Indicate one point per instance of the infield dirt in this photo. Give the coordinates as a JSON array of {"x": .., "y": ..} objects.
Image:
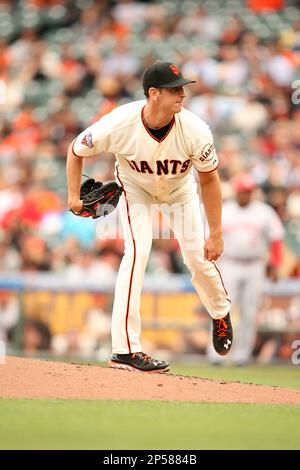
[{"x": 32, "y": 378}]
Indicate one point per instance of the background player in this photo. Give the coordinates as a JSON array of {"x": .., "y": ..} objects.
[
  {"x": 157, "y": 143},
  {"x": 252, "y": 230}
]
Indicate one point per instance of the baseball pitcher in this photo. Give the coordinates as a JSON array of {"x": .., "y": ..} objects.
[{"x": 157, "y": 143}]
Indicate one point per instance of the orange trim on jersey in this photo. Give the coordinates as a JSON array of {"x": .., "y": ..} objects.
[
  {"x": 227, "y": 296},
  {"x": 209, "y": 170},
  {"x": 81, "y": 156},
  {"x": 146, "y": 127},
  {"x": 133, "y": 264}
]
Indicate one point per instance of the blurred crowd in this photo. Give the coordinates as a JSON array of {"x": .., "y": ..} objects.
[{"x": 63, "y": 64}]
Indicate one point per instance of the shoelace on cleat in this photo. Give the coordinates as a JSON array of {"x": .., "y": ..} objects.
[
  {"x": 221, "y": 327},
  {"x": 143, "y": 356}
]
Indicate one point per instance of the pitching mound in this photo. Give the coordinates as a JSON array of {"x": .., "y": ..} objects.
[{"x": 30, "y": 378}]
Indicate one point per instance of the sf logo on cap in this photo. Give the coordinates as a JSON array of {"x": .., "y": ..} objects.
[{"x": 175, "y": 69}]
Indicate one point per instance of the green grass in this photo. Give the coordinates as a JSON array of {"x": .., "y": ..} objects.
[
  {"x": 107, "y": 424},
  {"x": 280, "y": 375}
]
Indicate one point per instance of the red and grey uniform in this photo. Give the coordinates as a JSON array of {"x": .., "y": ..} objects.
[{"x": 156, "y": 171}]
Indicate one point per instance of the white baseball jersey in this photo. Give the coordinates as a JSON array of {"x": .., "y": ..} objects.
[
  {"x": 249, "y": 230},
  {"x": 160, "y": 167}
]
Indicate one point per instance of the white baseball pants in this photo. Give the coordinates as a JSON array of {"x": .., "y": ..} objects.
[{"x": 185, "y": 219}]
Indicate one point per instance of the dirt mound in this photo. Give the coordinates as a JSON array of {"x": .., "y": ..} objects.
[{"x": 30, "y": 378}]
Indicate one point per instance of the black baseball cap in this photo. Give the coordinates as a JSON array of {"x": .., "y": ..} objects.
[{"x": 163, "y": 75}]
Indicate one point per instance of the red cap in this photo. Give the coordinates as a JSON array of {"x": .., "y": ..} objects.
[{"x": 243, "y": 183}]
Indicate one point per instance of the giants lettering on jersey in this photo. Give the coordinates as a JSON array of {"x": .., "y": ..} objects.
[
  {"x": 164, "y": 167},
  {"x": 208, "y": 153}
]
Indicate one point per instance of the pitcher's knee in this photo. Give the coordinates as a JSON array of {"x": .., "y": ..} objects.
[
  {"x": 194, "y": 263},
  {"x": 140, "y": 254}
]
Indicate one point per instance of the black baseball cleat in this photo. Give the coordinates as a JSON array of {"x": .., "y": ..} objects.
[
  {"x": 138, "y": 361},
  {"x": 222, "y": 335}
]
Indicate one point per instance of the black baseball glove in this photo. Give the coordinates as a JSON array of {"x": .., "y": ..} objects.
[{"x": 98, "y": 199}]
